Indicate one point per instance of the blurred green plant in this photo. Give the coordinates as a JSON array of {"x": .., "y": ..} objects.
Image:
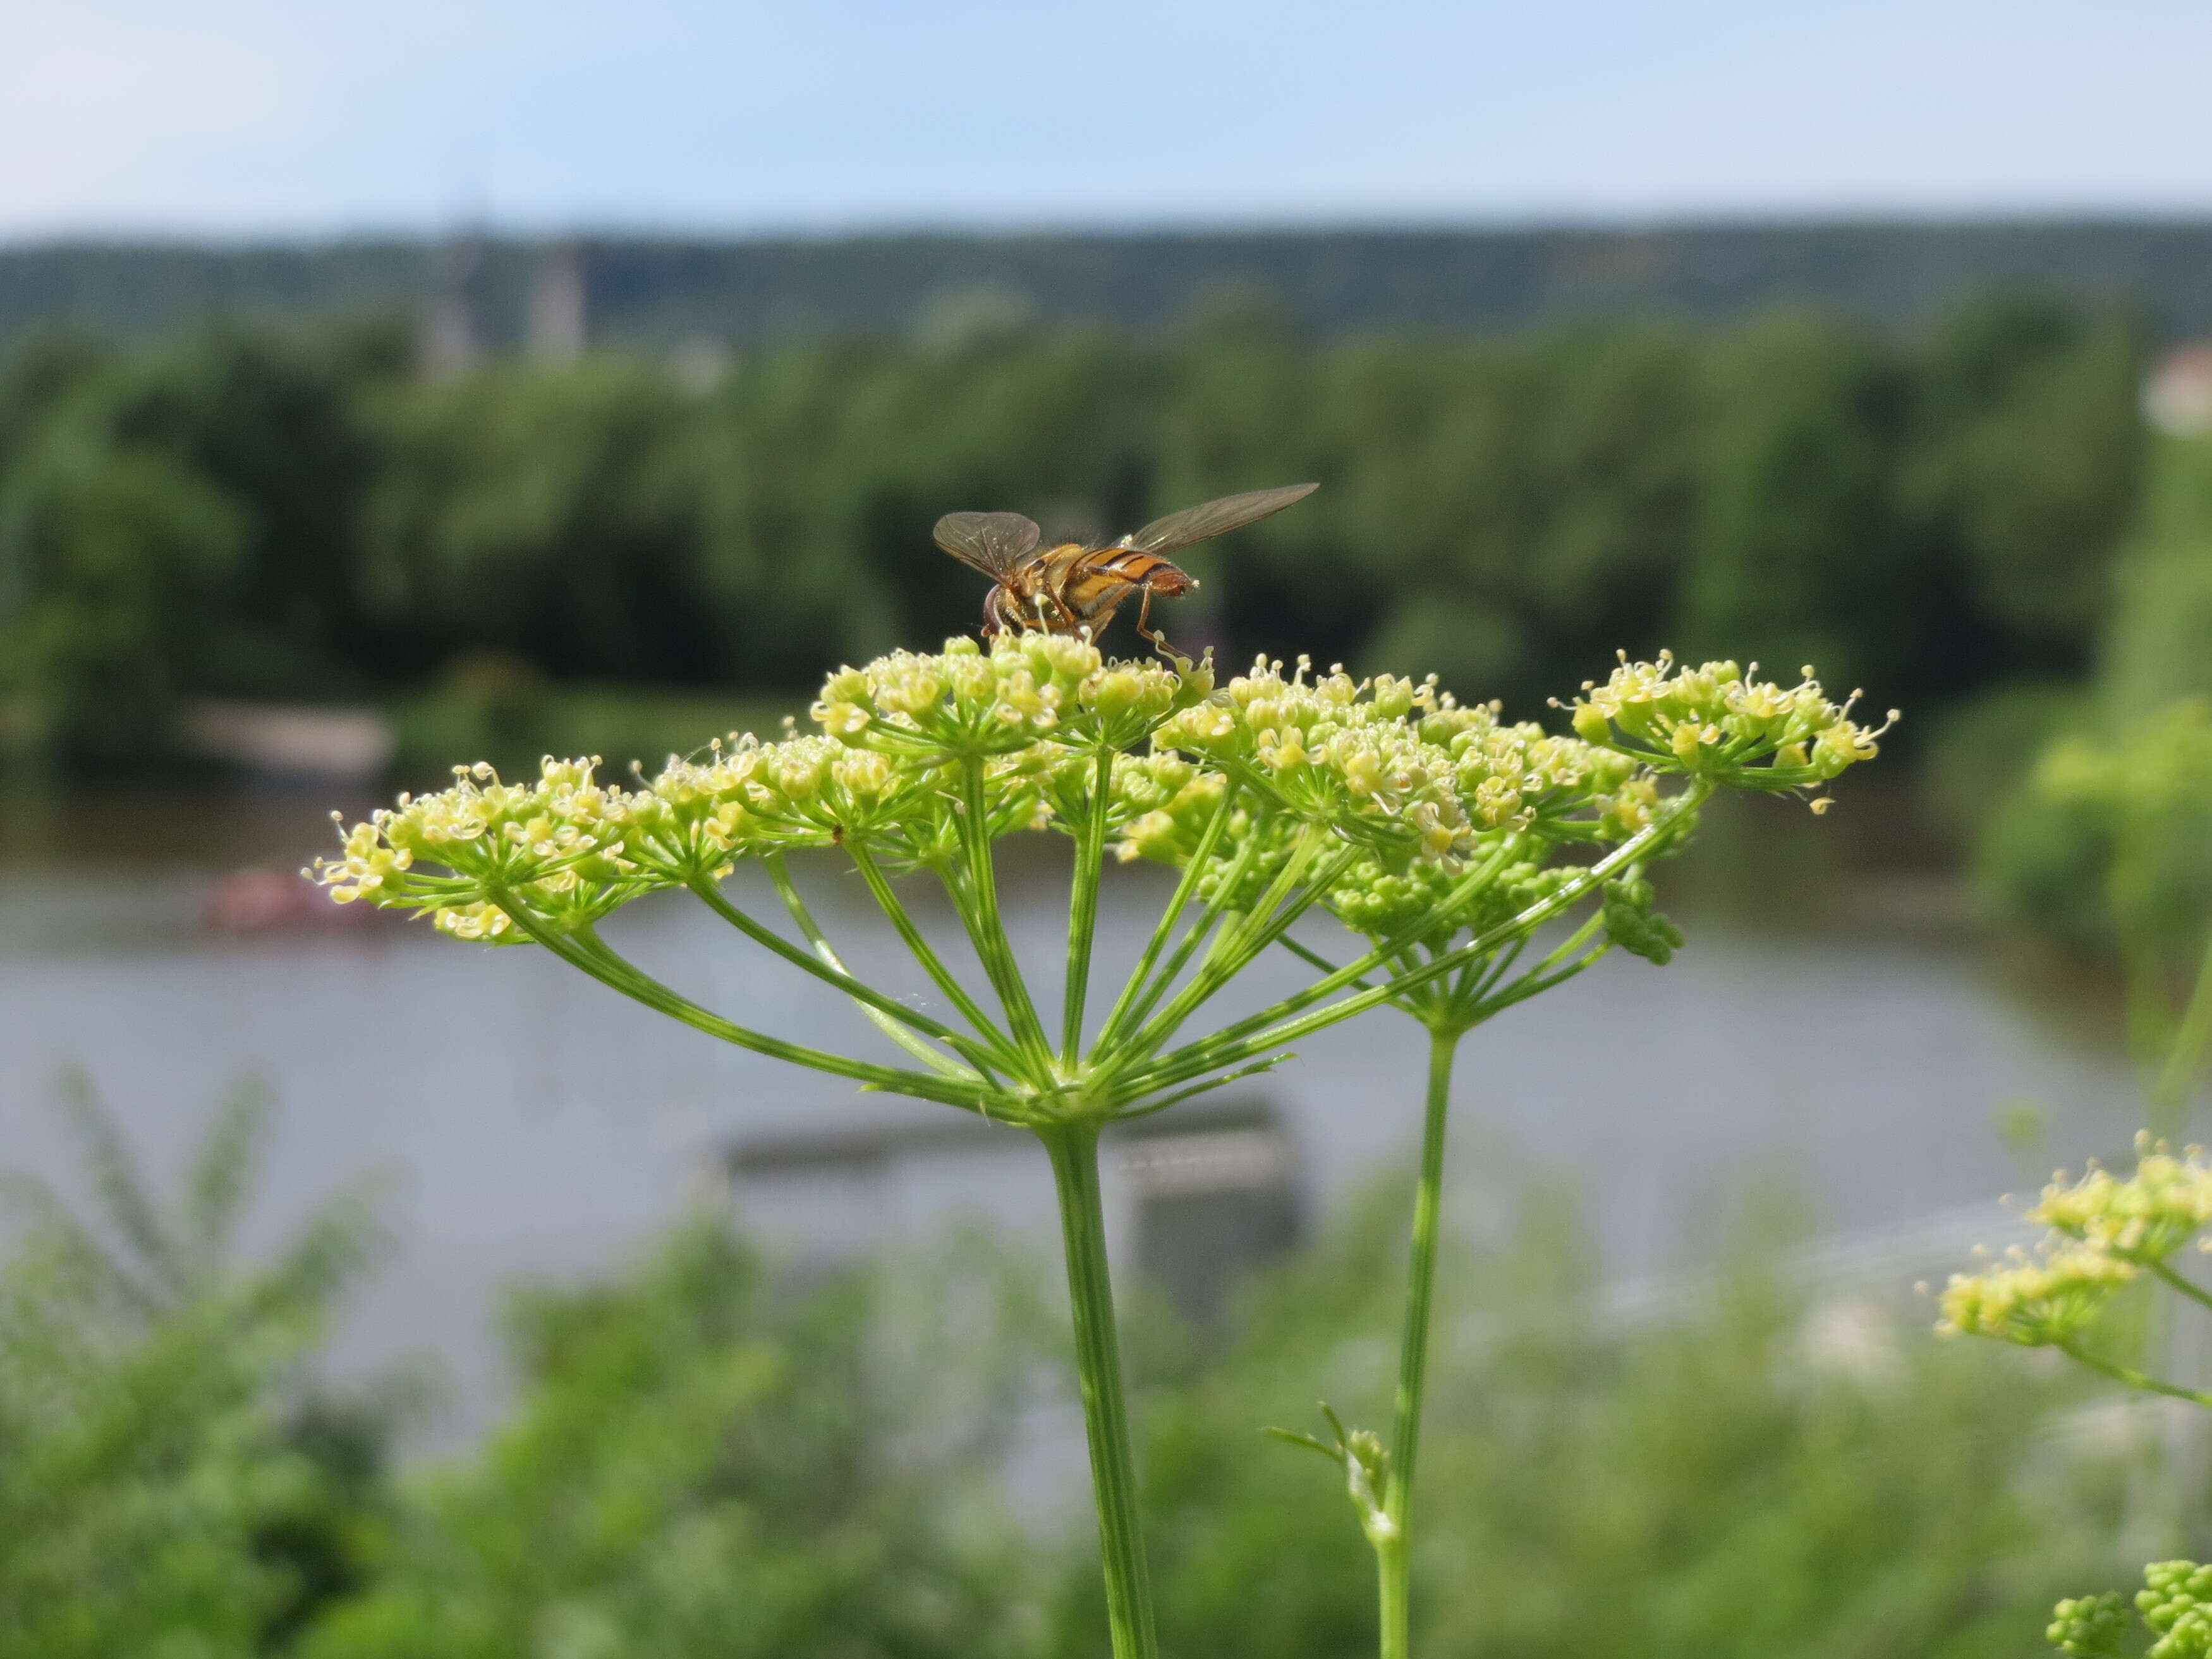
[
  {"x": 709, "y": 1457},
  {"x": 704, "y": 1462},
  {"x": 2124, "y": 816},
  {"x": 1709, "y": 723},
  {"x": 2161, "y": 614},
  {"x": 171, "y": 1484},
  {"x": 2108, "y": 1235},
  {"x": 2103, "y": 848},
  {"x": 2051, "y": 845},
  {"x": 1748, "y": 1464}
]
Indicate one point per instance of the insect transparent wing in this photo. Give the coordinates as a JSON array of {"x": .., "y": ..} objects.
[
  {"x": 1195, "y": 524},
  {"x": 994, "y": 542}
]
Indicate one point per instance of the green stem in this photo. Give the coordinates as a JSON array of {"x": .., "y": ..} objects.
[
  {"x": 1186, "y": 885},
  {"x": 1276, "y": 911},
  {"x": 1242, "y": 1039},
  {"x": 895, "y": 1019},
  {"x": 1074, "y": 1151},
  {"x": 1414, "y": 1348},
  {"x": 1139, "y": 1006},
  {"x": 1314, "y": 959},
  {"x": 895, "y": 912},
  {"x": 2189, "y": 1288},
  {"x": 2185, "y": 1060},
  {"x": 1083, "y": 910},
  {"x": 581, "y": 948},
  {"x": 987, "y": 928},
  {"x": 1393, "y": 1590},
  {"x": 1138, "y": 1002},
  {"x": 2133, "y": 1378}
]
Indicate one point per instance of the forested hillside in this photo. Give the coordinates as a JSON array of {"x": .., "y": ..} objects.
[
  {"x": 295, "y": 514},
  {"x": 660, "y": 290}
]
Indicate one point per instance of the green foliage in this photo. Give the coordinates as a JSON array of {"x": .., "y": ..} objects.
[
  {"x": 2094, "y": 842},
  {"x": 502, "y": 709},
  {"x": 1734, "y": 1478},
  {"x": 2162, "y": 613},
  {"x": 181, "y": 522},
  {"x": 2102, "y": 848},
  {"x": 2032, "y": 450},
  {"x": 1799, "y": 535},
  {"x": 166, "y": 1486},
  {"x": 547, "y": 514},
  {"x": 283, "y": 515},
  {"x": 705, "y": 1460},
  {"x": 704, "y": 1465}
]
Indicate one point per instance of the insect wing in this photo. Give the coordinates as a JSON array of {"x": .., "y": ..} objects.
[
  {"x": 994, "y": 542},
  {"x": 1216, "y": 518}
]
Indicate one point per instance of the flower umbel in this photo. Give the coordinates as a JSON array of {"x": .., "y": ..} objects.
[
  {"x": 556, "y": 842},
  {"x": 1442, "y": 836},
  {"x": 2045, "y": 1299},
  {"x": 1717, "y": 720},
  {"x": 2142, "y": 1219}
]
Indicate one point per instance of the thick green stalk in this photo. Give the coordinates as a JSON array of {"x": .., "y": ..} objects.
[
  {"x": 1074, "y": 1151},
  {"x": 1393, "y": 1590},
  {"x": 1391, "y": 1550},
  {"x": 1083, "y": 910}
]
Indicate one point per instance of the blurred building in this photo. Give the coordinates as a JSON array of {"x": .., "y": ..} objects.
[
  {"x": 450, "y": 336},
  {"x": 560, "y": 304}
]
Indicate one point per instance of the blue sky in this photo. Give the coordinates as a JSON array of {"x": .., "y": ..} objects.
[{"x": 231, "y": 117}]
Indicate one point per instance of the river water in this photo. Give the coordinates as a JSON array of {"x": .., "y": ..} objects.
[{"x": 529, "y": 1122}]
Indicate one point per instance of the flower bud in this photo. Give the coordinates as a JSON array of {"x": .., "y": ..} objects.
[{"x": 1114, "y": 694}]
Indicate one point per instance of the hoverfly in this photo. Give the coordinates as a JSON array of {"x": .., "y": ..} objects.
[{"x": 1071, "y": 586}]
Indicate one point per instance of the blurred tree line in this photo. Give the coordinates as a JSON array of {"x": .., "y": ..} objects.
[{"x": 294, "y": 514}]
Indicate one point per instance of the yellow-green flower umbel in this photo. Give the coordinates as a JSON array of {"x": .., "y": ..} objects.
[{"x": 1442, "y": 837}]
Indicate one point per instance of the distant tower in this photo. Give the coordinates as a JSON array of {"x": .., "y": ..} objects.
[
  {"x": 449, "y": 342},
  {"x": 560, "y": 302}
]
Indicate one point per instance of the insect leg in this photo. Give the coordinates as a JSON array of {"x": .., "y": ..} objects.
[{"x": 1144, "y": 615}]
